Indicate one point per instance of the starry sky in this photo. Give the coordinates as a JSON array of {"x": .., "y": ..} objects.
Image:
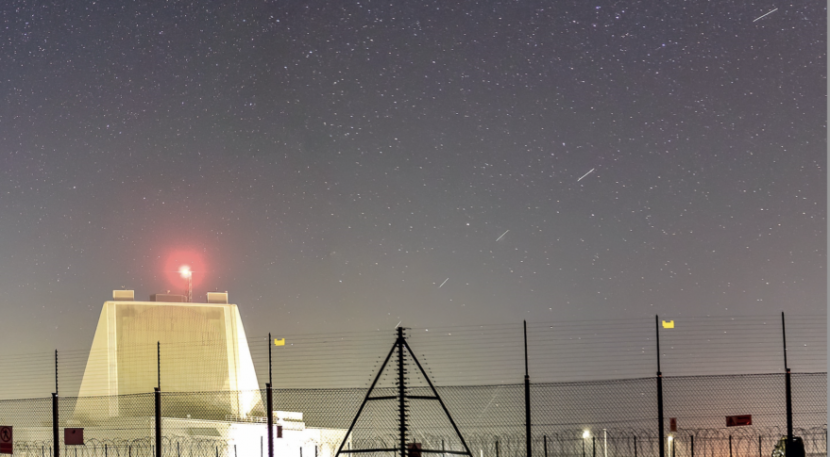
[{"x": 352, "y": 165}]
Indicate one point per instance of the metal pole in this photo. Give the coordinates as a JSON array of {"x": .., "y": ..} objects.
[
  {"x": 55, "y": 437},
  {"x": 158, "y": 421},
  {"x": 692, "y": 441},
  {"x": 593, "y": 446},
  {"x": 497, "y": 448},
  {"x": 401, "y": 393},
  {"x": 789, "y": 395},
  {"x": 660, "y": 427},
  {"x": 269, "y": 398},
  {"x": 545, "y": 437},
  {"x": 730, "y": 445},
  {"x": 527, "y": 399},
  {"x": 158, "y": 364},
  {"x": 760, "y": 452},
  {"x": 56, "y": 371}
]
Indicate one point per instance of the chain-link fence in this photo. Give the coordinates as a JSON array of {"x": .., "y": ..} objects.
[
  {"x": 571, "y": 419},
  {"x": 316, "y": 401}
]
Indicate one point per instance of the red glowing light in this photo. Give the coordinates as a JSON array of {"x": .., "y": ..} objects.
[{"x": 182, "y": 264}]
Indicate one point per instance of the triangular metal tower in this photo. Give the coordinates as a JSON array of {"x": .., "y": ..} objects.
[{"x": 402, "y": 396}]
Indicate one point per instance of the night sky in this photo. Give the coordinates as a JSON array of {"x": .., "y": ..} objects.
[{"x": 351, "y": 165}]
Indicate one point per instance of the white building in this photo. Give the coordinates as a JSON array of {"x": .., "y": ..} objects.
[
  {"x": 203, "y": 348},
  {"x": 210, "y": 391}
]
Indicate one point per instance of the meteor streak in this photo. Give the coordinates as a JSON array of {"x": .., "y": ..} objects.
[
  {"x": 586, "y": 174},
  {"x": 442, "y": 284},
  {"x": 502, "y": 235},
  {"x": 765, "y": 15}
]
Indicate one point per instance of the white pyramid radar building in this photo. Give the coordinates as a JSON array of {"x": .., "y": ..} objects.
[{"x": 203, "y": 348}]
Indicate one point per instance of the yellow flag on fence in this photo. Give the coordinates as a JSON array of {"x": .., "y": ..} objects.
[
  {"x": 669, "y": 324},
  {"x": 279, "y": 342}
]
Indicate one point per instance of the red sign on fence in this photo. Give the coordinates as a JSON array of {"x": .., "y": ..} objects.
[
  {"x": 737, "y": 421},
  {"x": 73, "y": 436},
  {"x": 673, "y": 424},
  {"x": 413, "y": 449},
  {"x": 6, "y": 442}
]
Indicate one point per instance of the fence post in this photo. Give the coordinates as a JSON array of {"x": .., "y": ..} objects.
[
  {"x": 270, "y": 408},
  {"x": 635, "y": 445},
  {"x": 692, "y": 441},
  {"x": 157, "y": 394},
  {"x": 730, "y": 445},
  {"x": 55, "y": 435},
  {"x": 660, "y": 427},
  {"x": 788, "y": 387},
  {"x": 269, "y": 396},
  {"x": 497, "y": 448},
  {"x": 528, "y": 445},
  {"x": 546, "y": 445},
  {"x": 55, "y": 413},
  {"x": 593, "y": 446},
  {"x": 158, "y": 421}
]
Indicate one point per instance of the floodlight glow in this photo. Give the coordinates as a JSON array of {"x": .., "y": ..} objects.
[
  {"x": 184, "y": 270},
  {"x": 586, "y": 434}
]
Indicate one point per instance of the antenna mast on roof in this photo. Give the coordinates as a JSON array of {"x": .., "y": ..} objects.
[{"x": 187, "y": 274}]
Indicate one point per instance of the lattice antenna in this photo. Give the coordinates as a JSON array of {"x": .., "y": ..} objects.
[
  {"x": 403, "y": 403},
  {"x": 403, "y": 397}
]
